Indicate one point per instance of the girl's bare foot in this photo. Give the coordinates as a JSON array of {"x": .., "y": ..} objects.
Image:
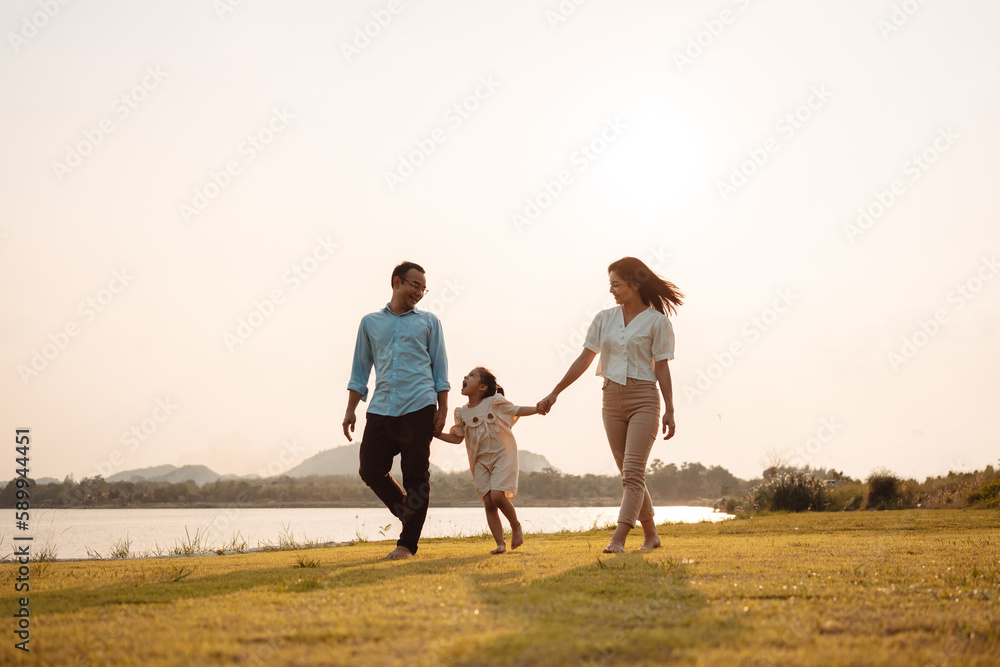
[
  {"x": 399, "y": 552},
  {"x": 651, "y": 543},
  {"x": 501, "y": 548},
  {"x": 614, "y": 548},
  {"x": 516, "y": 536}
]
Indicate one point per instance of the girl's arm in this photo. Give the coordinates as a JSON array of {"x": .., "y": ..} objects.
[
  {"x": 662, "y": 371},
  {"x": 576, "y": 369},
  {"x": 450, "y": 437},
  {"x": 526, "y": 410}
]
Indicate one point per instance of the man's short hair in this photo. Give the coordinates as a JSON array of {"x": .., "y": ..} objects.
[{"x": 403, "y": 268}]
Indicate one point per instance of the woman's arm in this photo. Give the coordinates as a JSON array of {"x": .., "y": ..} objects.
[
  {"x": 576, "y": 369},
  {"x": 662, "y": 371}
]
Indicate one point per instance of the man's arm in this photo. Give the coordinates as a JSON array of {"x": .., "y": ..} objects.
[
  {"x": 441, "y": 415},
  {"x": 353, "y": 398},
  {"x": 439, "y": 371},
  {"x": 361, "y": 370}
]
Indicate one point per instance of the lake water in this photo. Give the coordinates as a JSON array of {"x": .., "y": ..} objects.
[{"x": 73, "y": 531}]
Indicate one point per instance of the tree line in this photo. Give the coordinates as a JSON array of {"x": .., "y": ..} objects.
[{"x": 667, "y": 483}]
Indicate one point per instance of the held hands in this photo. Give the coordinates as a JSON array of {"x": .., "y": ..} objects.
[
  {"x": 440, "y": 417},
  {"x": 543, "y": 406},
  {"x": 668, "y": 425}
]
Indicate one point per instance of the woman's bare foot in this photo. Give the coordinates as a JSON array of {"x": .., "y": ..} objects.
[
  {"x": 399, "y": 552},
  {"x": 516, "y": 536},
  {"x": 614, "y": 548},
  {"x": 651, "y": 543},
  {"x": 501, "y": 548}
]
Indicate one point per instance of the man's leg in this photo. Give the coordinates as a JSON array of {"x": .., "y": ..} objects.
[
  {"x": 378, "y": 447},
  {"x": 414, "y": 434}
]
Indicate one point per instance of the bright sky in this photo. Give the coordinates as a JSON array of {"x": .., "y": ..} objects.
[{"x": 199, "y": 201}]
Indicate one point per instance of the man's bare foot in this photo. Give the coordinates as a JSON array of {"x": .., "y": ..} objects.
[
  {"x": 516, "y": 536},
  {"x": 651, "y": 543},
  {"x": 399, "y": 552},
  {"x": 614, "y": 548},
  {"x": 501, "y": 548}
]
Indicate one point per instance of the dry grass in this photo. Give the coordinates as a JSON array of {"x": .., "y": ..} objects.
[{"x": 859, "y": 588}]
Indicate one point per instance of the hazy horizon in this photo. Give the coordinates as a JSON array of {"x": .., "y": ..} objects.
[{"x": 201, "y": 200}]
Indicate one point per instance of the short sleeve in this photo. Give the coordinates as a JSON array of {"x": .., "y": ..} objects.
[
  {"x": 504, "y": 408},
  {"x": 459, "y": 427},
  {"x": 662, "y": 334},
  {"x": 593, "y": 340}
]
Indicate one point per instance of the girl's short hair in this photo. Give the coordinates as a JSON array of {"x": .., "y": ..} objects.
[{"x": 490, "y": 380}]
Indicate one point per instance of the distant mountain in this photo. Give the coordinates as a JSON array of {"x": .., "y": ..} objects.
[
  {"x": 532, "y": 462},
  {"x": 198, "y": 474},
  {"x": 341, "y": 460},
  {"x": 47, "y": 480}
]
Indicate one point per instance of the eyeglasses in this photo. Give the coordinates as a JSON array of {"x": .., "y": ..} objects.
[{"x": 420, "y": 288}]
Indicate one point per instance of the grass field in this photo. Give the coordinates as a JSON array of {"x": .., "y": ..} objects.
[{"x": 901, "y": 588}]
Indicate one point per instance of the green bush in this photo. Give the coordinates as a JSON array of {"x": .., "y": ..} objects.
[
  {"x": 987, "y": 495},
  {"x": 793, "y": 491},
  {"x": 886, "y": 491}
]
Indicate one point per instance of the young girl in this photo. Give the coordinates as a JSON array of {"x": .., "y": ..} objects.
[{"x": 485, "y": 425}]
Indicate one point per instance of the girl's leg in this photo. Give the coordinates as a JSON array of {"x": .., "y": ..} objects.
[
  {"x": 493, "y": 521},
  {"x": 503, "y": 503}
]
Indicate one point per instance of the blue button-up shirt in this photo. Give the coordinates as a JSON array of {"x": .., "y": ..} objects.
[{"x": 410, "y": 363}]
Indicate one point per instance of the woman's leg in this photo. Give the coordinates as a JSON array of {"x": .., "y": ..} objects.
[
  {"x": 502, "y": 502},
  {"x": 616, "y": 428},
  {"x": 644, "y": 421},
  {"x": 493, "y": 521}
]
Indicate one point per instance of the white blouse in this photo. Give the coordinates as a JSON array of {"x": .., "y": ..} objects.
[{"x": 630, "y": 351}]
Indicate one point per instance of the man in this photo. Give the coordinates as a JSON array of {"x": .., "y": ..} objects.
[{"x": 406, "y": 346}]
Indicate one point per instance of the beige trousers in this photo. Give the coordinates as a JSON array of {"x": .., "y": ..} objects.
[{"x": 632, "y": 419}]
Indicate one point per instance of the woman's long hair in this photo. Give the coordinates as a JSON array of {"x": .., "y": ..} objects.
[
  {"x": 490, "y": 381},
  {"x": 654, "y": 291}
]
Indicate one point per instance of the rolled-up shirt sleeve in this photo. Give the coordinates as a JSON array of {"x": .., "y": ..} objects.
[
  {"x": 361, "y": 369},
  {"x": 662, "y": 333},
  {"x": 593, "y": 340},
  {"x": 439, "y": 358}
]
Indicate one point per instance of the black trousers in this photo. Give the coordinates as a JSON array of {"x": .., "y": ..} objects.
[{"x": 409, "y": 436}]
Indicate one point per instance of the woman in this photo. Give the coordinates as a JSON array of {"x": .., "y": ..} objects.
[{"x": 635, "y": 341}]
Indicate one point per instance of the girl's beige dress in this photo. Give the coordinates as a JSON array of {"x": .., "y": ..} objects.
[{"x": 490, "y": 444}]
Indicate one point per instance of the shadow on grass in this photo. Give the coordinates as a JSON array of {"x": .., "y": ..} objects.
[
  {"x": 163, "y": 585},
  {"x": 615, "y": 610}
]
